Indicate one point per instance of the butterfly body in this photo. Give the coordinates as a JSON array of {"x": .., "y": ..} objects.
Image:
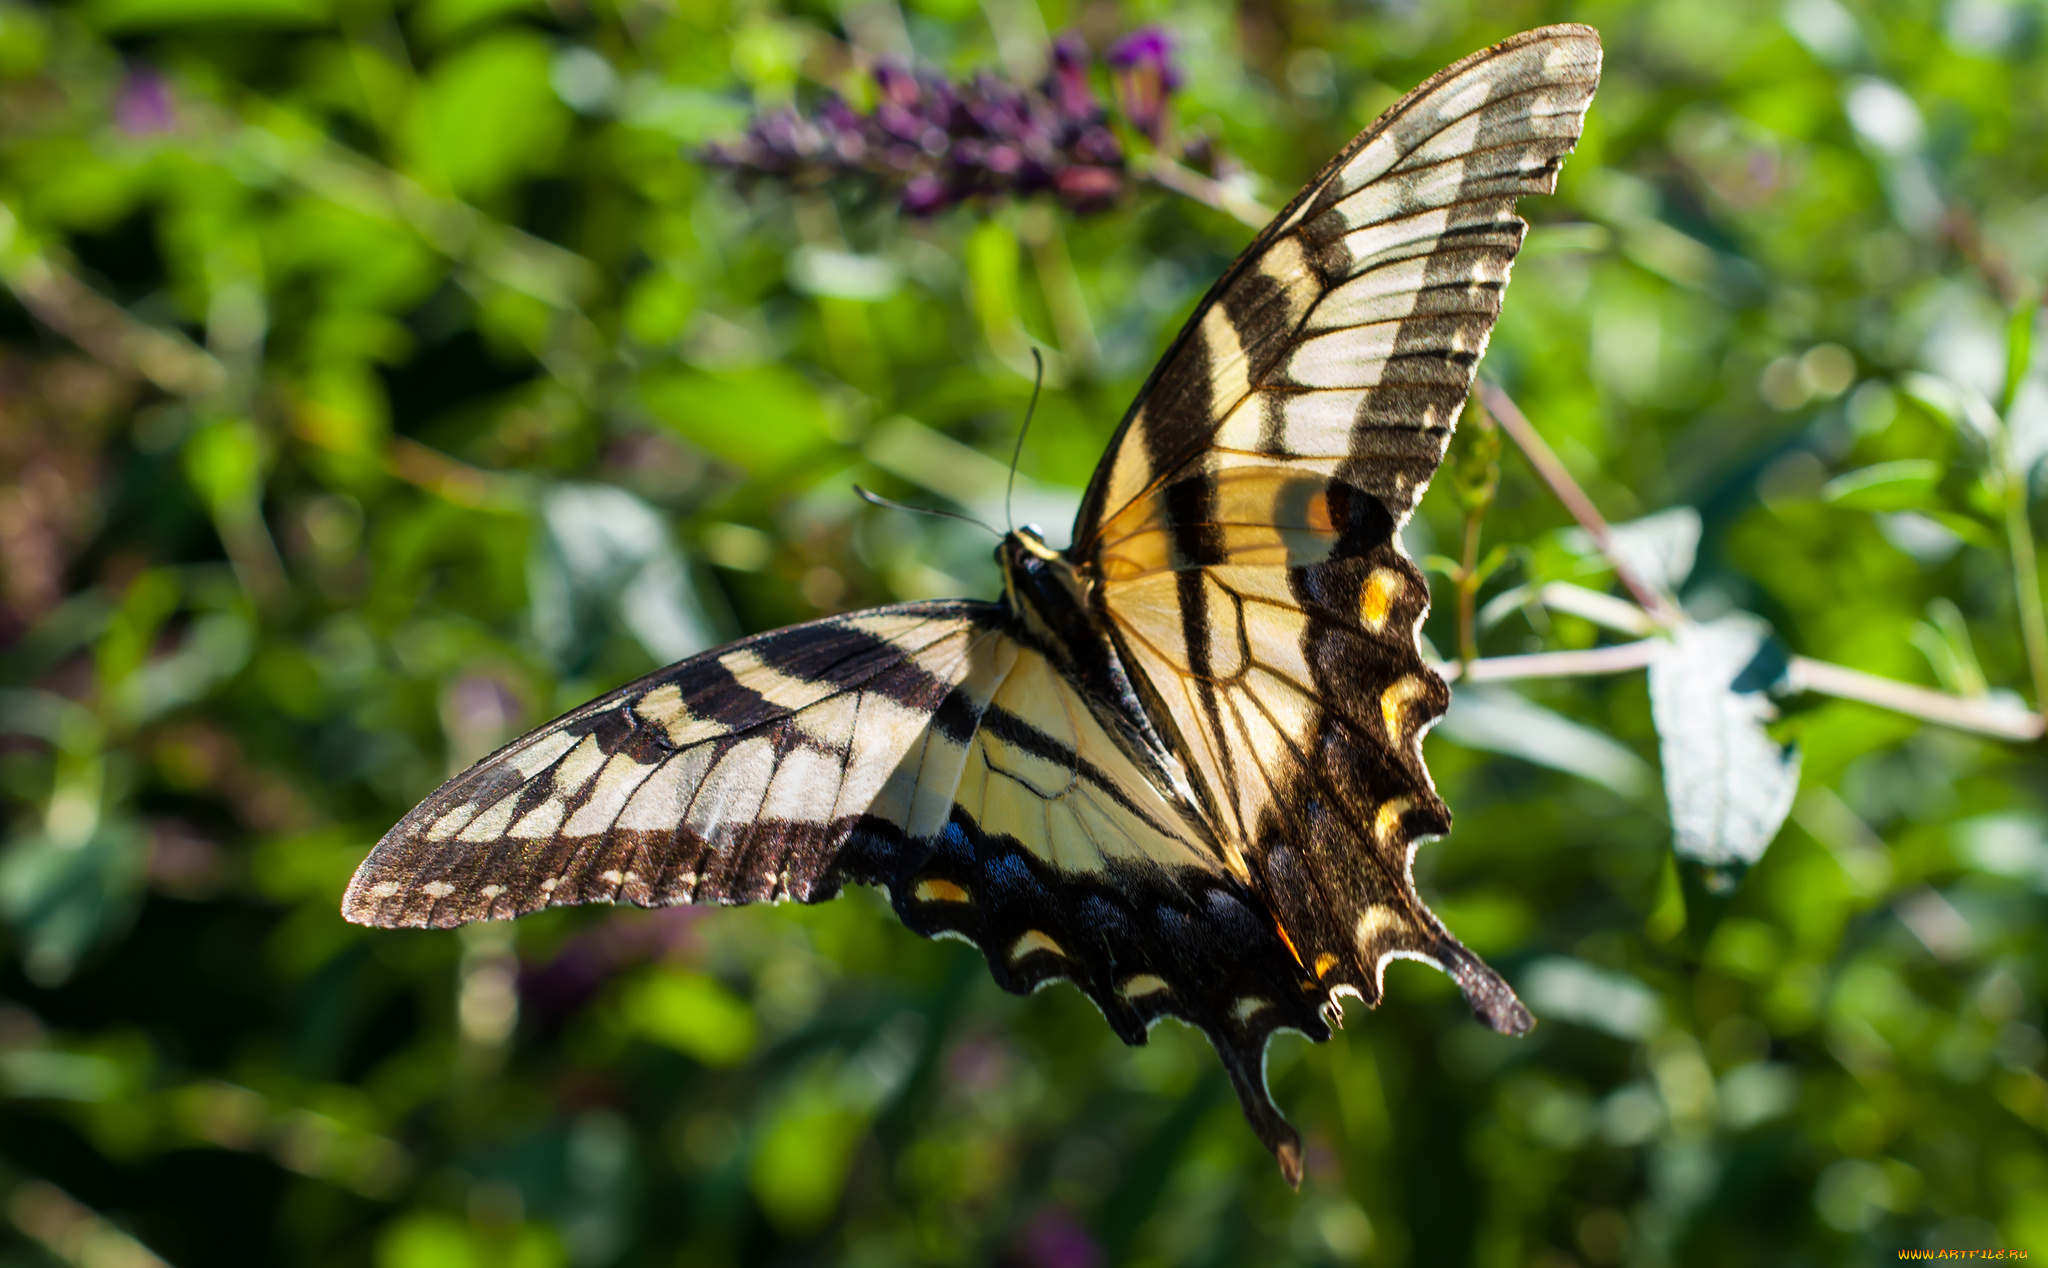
[{"x": 1178, "y": 764}]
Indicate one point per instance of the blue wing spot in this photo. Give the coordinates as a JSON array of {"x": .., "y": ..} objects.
[
  {"x": 953, "y": 845},
  {"x": 1007, "y": 871}
]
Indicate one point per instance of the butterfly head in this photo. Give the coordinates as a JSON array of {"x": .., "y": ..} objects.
[
  {"x": 1038, "y": 581},
  {"x": 1030, "y": 540}
]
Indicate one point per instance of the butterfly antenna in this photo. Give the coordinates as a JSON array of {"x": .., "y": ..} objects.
[
  {"x": 1010, "y": 490},
  {"x": 876, "y": 499}
]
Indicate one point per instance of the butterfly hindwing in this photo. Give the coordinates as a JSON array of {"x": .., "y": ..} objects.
[
  {"x": 1064, "y": 860},
  {"x": 783, "y": 766},
  {"x": 1244, "y": 529}
]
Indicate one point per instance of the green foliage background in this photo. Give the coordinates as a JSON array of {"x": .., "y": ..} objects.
[{"x": 377, "y": 381}]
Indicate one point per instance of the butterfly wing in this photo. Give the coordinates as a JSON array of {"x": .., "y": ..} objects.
[
  {"x": 919, "y": 747},
  {"x": 1243, "y": 532},
  {"x": 1063, "y": 859},
  {"x": 782, "y": 766}
]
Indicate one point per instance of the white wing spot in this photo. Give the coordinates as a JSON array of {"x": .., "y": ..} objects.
[
  {"x": 1229, "y": 373},
  {"x": 1033, "y": 942},
  {"x": 438, "y": 889},
  {"x": 491, "y": 891},
  {"x": 615, "y": 783},
  {"x": 543, "y": 753},
  {"x": 541, "y": 821},
  {"x": 449, "y": 824},
  {"x": 785, "y": 691},
  {"x": 384, "y": 889},
  {"x": 1372, "y": 922},
  {"x": 1141, "y": 985},
  {"x": 579, "y": 766},
  {"x": 1249, "y": 1007},
  {"x": 492, "y": 823}
]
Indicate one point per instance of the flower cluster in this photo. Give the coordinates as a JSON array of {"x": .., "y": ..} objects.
[{"x": 941, "y": 143}]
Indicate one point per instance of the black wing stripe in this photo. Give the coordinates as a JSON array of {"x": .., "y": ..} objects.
[{"x": 1433, "y": 181}]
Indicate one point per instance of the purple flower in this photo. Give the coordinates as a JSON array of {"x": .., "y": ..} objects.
[
  {"x": 1148, "y": 45},
  {"x": 1054, "y": 1240},
  {"x": 1086, "y": 189},
  {"x": 1068, "y": 85},
  {"x": 926, "y": 195},
  {"x": 142, "y": 105},
  {"x": 1145, "y": 79},
  {"x": 939, "y": 144}
]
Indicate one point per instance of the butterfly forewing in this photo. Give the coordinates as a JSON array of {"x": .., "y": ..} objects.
[
  {"x": 1244, "y": 530},
  {"x": 783, "y": 766}
]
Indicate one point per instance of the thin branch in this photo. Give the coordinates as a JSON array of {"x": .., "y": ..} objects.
[
  {"x": 1603, "y": 610},
  {"x": 458, "y": 482},
  {"x": 1061, "y": 286},
  {"x": 103, "y": 329},
  {"x": 1982, "y": 715},
  {"x": 2019, "y": 525},
  {"x": 2026, "y": 578},
  {"x": 1190, "y": 183},
  {"x": 1545, "y": 460},
  {"x": 1468, "y": 590},
  {"x": 1598, "y": 660}
]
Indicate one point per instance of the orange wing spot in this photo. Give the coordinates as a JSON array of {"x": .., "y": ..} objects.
[
  {"x": 938, "y": 891},
  {"x": 1319, "y": 514},
  {"x": 1381, "y": 589},
  {"x": 1281, "y": 930},
  {"x": 1394, "y": 702},
  {"x": 1324, "y": 963},
  {"x": 1386, "y": 824}
]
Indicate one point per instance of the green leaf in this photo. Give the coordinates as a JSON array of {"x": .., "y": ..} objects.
[
  {"x": 2019, "y": 353},
  {"x": 1575, "y": 991},
  {"x": 607, "y": 559},
  {"x": 62, "y": 898},
  {"x": 121, "y": 16},
  {"x": 692, "y": 1014},
  {"x": 1659, "y": 548},
  {"x": 1729, "y": 785},
  {"x": 1502, "y": 721},
  {"x": 800, "y": 1165},
  {"x": 785, "y": 419},
  {"x": 487, "y": 115},
  {"x": 436, "y": 20},
  {"x": 1884, "y": 486}
]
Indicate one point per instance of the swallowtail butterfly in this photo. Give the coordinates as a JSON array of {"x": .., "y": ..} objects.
[{"x": 1178, "y": 764}]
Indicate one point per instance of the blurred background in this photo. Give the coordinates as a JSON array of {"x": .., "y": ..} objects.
[{"x": 379, "y": 379}]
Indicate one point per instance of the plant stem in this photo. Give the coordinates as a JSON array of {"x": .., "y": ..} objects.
[
  {"x": 1061, "y": 286},
  {"x": 1981, "y": 715},
  {"x": 1603, "y": 610},
  {"x": 103, "y": 329},
  {"x": 1545, "y": 460},
  {"x": 1188, "y": 183},
  {"x": 2026, "y": 577},
  {"x": 1468, "y": 591},
  {"x": 1598, "y": 660}
]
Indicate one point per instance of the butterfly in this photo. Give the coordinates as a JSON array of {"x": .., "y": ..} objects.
[{"x": 1178, "y": 764}]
